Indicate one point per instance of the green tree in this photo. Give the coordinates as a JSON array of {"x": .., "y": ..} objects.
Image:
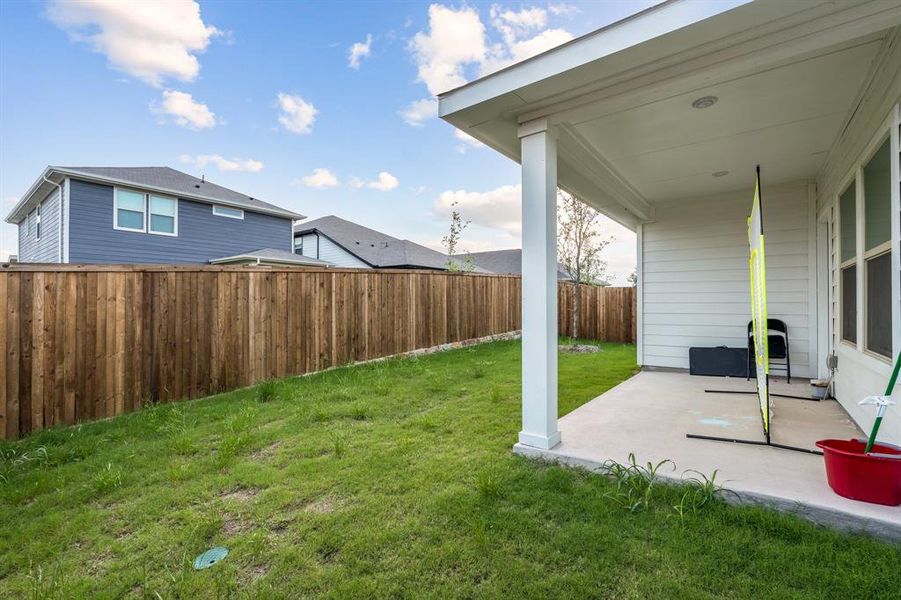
[{"x": 579, "y": 247}]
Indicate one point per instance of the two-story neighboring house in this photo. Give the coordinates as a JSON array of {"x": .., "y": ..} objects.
[{"x": 148, "y": 215}]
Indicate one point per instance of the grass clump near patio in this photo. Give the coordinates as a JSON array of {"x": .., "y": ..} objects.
[{"x": 391, "y": 479}]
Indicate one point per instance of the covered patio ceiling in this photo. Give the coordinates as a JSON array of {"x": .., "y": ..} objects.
[{"x": 786, "y": 78}]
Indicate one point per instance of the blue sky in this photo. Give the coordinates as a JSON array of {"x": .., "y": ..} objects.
[{"x": 323, "y": 108}]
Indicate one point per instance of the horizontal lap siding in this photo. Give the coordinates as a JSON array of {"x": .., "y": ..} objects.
[
  {"x": 202, "y": 236},
  {"x": 84, "y": 343},
  {"x": 696, "y": 280},
  {"x": 325, "y": 249},
  {"x": 46, "y": 249}
]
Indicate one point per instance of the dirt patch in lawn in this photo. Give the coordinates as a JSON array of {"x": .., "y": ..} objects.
[
  {"x": 240, "y": 494},
  {"x": 324, "y": 505},
  {"x": 266, "y": 452}
]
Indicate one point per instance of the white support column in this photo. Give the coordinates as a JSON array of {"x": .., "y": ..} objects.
[{"x": 539, "y": 286}]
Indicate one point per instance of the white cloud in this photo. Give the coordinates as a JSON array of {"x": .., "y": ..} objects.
[
  {"x": 184, "y": 110},
  {"x": 148, "y": 40},
  {"x": 524, "y": 35},
  {"x": 297, "y": 115},
  {"x": 358, "y": 52},
  {"x": 467, "y": 141},
  {"x": 419, "y": 111},
  {"x": 455, "y": 38},
  {"x": 458, "y": 41},
  {"x": 223, "y": 164},
  {"x": 498, "y": 208},
  {"x": 563, "y": 9},
  {"x": 385, "y": 182},
  {"x": 319, "y": 179}
]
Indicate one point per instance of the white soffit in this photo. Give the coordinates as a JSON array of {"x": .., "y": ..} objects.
[{"x": 784, "y": 118}]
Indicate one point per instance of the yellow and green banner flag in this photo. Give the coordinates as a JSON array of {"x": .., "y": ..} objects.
[{"x": 759, "y": 315}]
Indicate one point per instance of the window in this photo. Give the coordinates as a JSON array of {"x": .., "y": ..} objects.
[
  {"x": 848, "y": 250},
  {"x": 37, "y": 223},
  {"x": 877, "y": 252},
  {"x": 227, "y": 211},
  {"x": 129, "y": 210},
  {"x": 298, "y": 245},
  {"x": 849, "y": 304},
  {"x": 163, "y": 215}
]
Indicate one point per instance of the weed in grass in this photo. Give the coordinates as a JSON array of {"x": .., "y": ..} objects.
[
  {"x": 13, "y": 460},
  {"x": 339, "y": 443},
  {"x": 425, "y": 422},
  {"x": 232, "y": 445},
  {"x": 267, "y": 391},
  {"x": 489, "y": 484},
  {"x": 108, "y": 478},
  {"x": 44, "y": 587},
  {"x": 494, "y": 395},
  {"x": 635, "y": 484},
  {"x": 361, "y": 412}
]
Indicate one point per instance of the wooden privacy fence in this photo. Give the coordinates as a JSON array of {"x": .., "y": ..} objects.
[
  {"x": 606, "y": 313},
  {"x": 89, "y": 342}
]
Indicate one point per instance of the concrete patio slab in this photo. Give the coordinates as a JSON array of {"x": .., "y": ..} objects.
[{"x": 649, "y": 415}]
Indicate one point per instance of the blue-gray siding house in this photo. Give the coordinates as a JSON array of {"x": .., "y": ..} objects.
[{"x": 144, "y": 215}]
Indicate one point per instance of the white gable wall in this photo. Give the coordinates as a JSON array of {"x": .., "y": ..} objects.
[
  {"x": 695, "y": 281},
  {"x": 323, "y": 248}
]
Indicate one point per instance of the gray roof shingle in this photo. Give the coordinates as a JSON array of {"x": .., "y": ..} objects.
[
  {"x": 507, "y": 262},
  {"x": 374, "y": 247},
  {"x": 272, "y": 255},
  {"x": 166, "y": 178}
]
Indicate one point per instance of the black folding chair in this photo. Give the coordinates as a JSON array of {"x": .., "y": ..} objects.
[{"x": 777, "y": 336}]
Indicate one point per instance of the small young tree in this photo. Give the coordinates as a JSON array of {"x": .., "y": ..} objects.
[
  {"x": 452, "y": 239},
  {"x": 579, "y": 247},
  {"x": 633, "y": 279}
]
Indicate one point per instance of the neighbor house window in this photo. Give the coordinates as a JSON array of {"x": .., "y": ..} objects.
[
  {"x": 227, "y": 211},
  {"x": 129, "y": 210},
  {"x": 848, "y": 249},
  {"x": 37, "y": 223},
  {"x": 877, "y": 235},
  {"x": 298, "y": 245},
  {"x": 163, "y": 215}
]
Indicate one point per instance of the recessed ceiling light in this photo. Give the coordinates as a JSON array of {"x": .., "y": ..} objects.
[
  {"x": 720, "y": 173},
  {"x": 704, "y": 102}
]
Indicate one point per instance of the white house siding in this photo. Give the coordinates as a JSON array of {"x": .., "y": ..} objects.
[
  {"x": 695, "y": 274},
  {"x": 860, "y": 374},
  {"x": 329, "y": 251},
  {"x": 46, "y": 249}
]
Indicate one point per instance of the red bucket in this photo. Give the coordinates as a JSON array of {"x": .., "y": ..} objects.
[{"x": 873, "y": 477}]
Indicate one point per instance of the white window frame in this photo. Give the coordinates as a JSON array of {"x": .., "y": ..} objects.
[
  {"x": 883, "y": 248},
  {"x": 855, "y": 174},
  {"x": 149, "y": 214},
  {"x": 294, "y": 240},
  {"x": 850, "y": 180},
  {"x": 222, "y": 206},
  {"x": 37, "y": 222},
  {"x": 116, "y": 210}
]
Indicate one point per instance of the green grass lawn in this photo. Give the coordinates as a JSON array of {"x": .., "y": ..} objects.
[{"x": 391, "y": 479}]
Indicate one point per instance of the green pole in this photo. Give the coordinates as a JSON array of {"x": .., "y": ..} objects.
[{"x": 881, "y": 409}]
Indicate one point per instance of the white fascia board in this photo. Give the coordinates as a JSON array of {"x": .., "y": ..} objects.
[
  {"x": 22, "y": 204},
  {"x": 639, "y": 28}
]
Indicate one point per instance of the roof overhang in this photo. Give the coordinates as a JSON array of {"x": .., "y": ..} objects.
[
  {"x": 268, "y": 260},
  {"x": 41, "y": 187},
  {"x": 596, "y": 90}
]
